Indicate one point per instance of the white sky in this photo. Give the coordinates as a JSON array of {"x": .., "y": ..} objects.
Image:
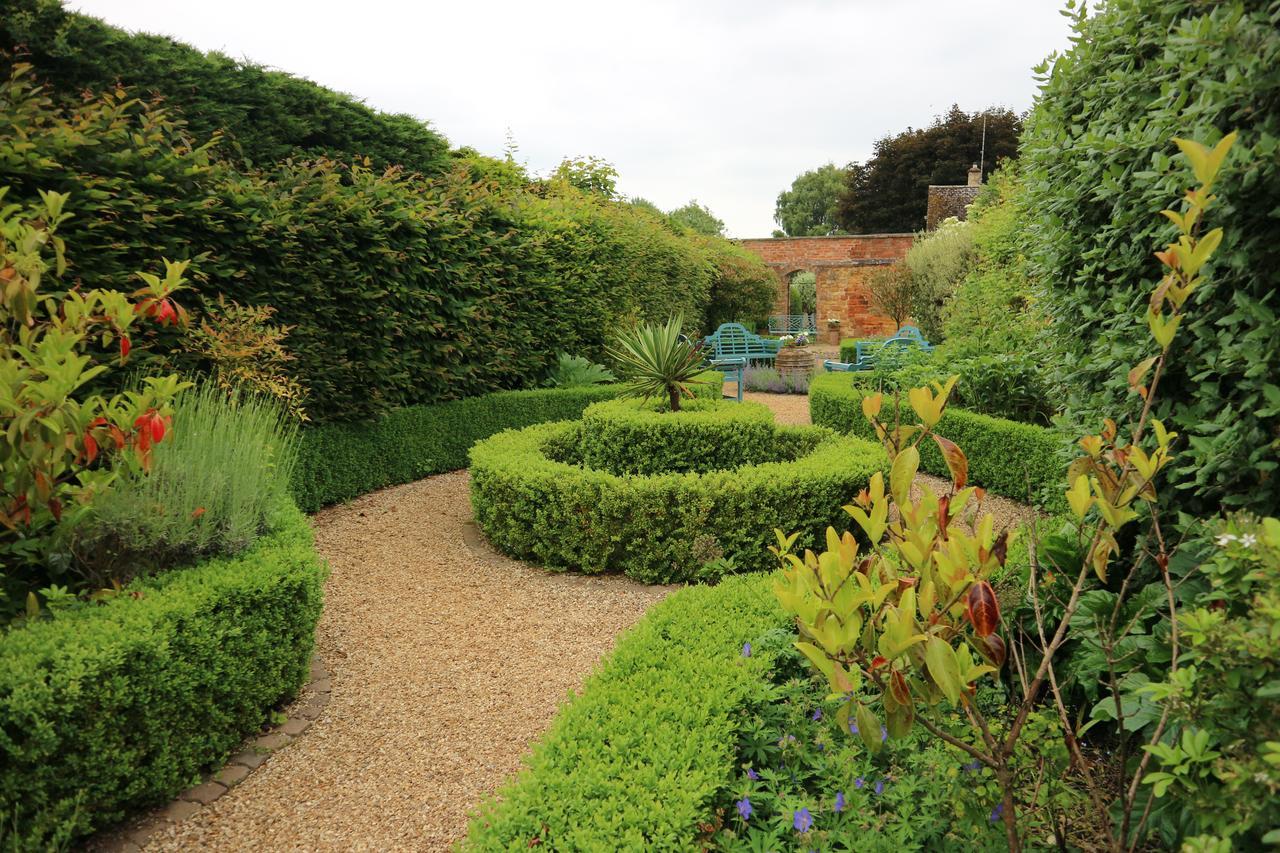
[{"x": 725, "y": 101}]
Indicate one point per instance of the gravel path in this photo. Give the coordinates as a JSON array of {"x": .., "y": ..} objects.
[{"x": 447, "y": 661}]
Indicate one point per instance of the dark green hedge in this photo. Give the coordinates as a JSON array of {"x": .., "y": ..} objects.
[
  {"x": 1099, "y": 165},
  {"x": 634, "y": 762},
  {"x": 338, "y": 462},
  {"x": 269, "y": 115},
  {"x": 105, "y": 709},
  {"x": 1013, "y": 459},
  {"x": 663, "y": 528},
  {"x": 631, "y": 437}
]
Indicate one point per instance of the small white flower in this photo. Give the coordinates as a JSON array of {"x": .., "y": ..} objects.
[
  {"x": 1248, "y": 540},
  {"x": 1226, "y": 539}
]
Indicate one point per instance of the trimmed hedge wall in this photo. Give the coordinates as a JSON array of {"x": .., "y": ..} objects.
[
  {"x": 635, "y": 761},
  {"x": 108, "y": 709},
  {"x": 663, "y": 528},
  {"x": 338, "y": 462},
  {"x": 631, "y": 437},
  {"x": 1007, "y": 457}
]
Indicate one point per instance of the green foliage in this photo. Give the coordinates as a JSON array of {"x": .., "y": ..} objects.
[
  {"x": 397, "y": 289},
  {"x": 112, "y": 707},
  {"x": 1219, "y": 770},
  {"x": 890, "y": 192},
  {"x": 638, "y": 758},
  {"x": 697, "y": 218},
  {"x": 658, "y": 361},
  {"x": 1013, "y": 459},
  {"x": 65, "y": 445},
  {"x": 210, "y": 490},
  {"x": 742, "y": 287},
  {"x": 893, "y": 293},
  {"x": 267, "y": 115},
  {"x": 938, "y": 261},
  {"x": 803, "y": 293},
  {"x": 808, "y": 209},
  {"x": 557, "y": 513},
  {"x": 591, "y": 175},
  {"x": 1098, "y": 162},
  {"x": 633, "y": 437},
  {"x": 574, "y": 371}
]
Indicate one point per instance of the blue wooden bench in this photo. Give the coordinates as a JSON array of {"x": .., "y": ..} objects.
[
  {"x": 869, "y": 353},
  {"x": 732, "y": 340}
]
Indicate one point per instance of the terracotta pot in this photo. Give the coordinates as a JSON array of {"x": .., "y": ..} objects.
[
  {"x": 833, "y": 336},
  {"x": 797, "y": 361}
]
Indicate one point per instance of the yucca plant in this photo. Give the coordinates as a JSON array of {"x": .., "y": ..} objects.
[{"x": 656, "y": 360}]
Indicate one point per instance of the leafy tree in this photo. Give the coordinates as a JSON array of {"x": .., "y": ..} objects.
[
  {"x": 808, "y": 209},
  {"x": 645, "y": 204},
  {"x": 593, "y": 175},
  {"x": 804, "y": 293},
  {"x": 890, "y": 192},
  {"x": 893, "y": 292},
  {"x": 698, "y": 218}
]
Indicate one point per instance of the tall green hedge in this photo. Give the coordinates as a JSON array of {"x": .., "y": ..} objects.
[
  {"x": 635, "y": 761},
  {"x": 105, "y": 709},
  {"x": 1100, "y": 164},
  {"x": 399, "y": 289},
  {"x": 1017, "y": 460},
  {"x": 267, "y": 115}
]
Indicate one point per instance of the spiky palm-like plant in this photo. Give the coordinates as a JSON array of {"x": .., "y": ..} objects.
[{"x": 656, "y": 361}]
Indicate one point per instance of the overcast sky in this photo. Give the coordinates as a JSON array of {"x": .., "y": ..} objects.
[{"x": 725, "y": 101}]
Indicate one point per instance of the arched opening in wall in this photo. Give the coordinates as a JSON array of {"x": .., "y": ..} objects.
[{"x": 802, "y": 302}]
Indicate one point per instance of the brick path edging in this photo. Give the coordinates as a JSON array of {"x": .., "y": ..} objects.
[{"x": 135, "y": 834}]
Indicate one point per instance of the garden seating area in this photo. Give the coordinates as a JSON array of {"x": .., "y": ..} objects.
[{"x": 362, "y": 491}]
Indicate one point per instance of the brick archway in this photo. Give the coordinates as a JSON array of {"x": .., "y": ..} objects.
[{"x": 841, "y": 265}]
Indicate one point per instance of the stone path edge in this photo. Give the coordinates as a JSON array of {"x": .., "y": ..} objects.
[{"x": 134, "y": 834}]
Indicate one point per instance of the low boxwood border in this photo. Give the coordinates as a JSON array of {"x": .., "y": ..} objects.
[
  {"x": 635, "y": 761},
  {"x": 662, "y": 528},
  {"x": 1007, "y": 457},
  {"x": 109, "y": 708},
  {"x": 633, "y": 437},
  {"x": 338, "y": 462}
]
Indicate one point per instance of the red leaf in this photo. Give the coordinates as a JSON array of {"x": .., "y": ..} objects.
[
  {"x": 984, "y": 609},
  {"x": 993, "y": 649},
  {"x": 199, "y": 511},
  {"x": 879, "y": 661},
  {"x": 157, "y": 429},
  {"x": 90, "y": 448},
  {"x": 125, "y": 346},
  {"x": 957, "y": 462},
  {"x": 1000, "y": 549},
  {"x": 898, "y": 687}
]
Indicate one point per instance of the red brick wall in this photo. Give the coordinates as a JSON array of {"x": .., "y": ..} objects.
[{"x": 841, "y": 265}]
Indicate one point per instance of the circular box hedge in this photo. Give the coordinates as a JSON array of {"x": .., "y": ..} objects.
[{"x": 535, "y": 500}]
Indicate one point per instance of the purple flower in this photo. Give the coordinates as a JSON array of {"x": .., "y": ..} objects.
[
  {"x": 817, "y": 714},
  {"x": 884, "y": 734},
  {"x": 859, "y": 782},
  {"x": 839, "y": 802},
  {"x": 752, "y": 774},
  {"x": 744, "y": 809},
  {"x": 973, "y": 765},
  {"x": 853, "y": 727},
  {"x": 802, "y": 820},
  {"x": 879, "y": 787},
  {"x": 996, "y": 812},
  {"x": 746, "y": 650}
]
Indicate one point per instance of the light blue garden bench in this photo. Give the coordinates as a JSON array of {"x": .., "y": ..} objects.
[
  {"x": 868, "y": 353},
  {"x": 732, "y": 340}
]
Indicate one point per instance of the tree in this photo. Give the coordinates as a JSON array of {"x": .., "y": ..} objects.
[
  {"x": 890, "y": 192},
  {"x": 804, "y": 293},
  {"x": 592, "y": 175},
  {"x": 893, "y": 292},
  {"x": 808, "y": 209},
  {"x": 697, "y": 218}
]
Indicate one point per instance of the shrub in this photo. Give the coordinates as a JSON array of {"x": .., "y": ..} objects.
[
  {"x": 574, "y": 371},
  {"x": 1098, "y": 164},
  {"x": 1016, "y": 460},
  {"x": 210, "y": 489},
  {"x": 632, "y": 437},
  {"x": 269, "y": 115},
  {"x": 338, "y": 462},
  {"x": 938, "y": 261},
  {"x": 768, "y": 379},
  {"x": 742, "y": 287},
  {"x": 637, "y": 760},
  {"x": 658, "y": 361},
  {"x": 564, "y": 516},
  {"x": 108, "y": 708}
]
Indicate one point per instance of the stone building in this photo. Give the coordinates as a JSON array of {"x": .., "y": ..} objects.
[{"x": 948, "y": 201}]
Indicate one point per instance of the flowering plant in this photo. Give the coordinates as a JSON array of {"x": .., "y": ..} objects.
[{"x": 833, "y": 322}]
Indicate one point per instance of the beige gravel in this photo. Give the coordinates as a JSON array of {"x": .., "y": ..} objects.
[{"x": 447, "y": 661}]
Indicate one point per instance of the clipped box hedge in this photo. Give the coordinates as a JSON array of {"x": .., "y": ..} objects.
[
  {"x": 634, "y": 437},
  {"x": 1007, "y": 457},
  {"x": 341, "y": 461},
  {"x": 635, "y": 761},
  {"x": 654, "y": 528},
  {"x": 109, "y": 708}
]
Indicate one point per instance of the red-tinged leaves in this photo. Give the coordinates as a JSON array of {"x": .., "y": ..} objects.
[
  {"x": 1000, "y": 548},
  {"x": 944, "y": 513},
  {"x": 1138, "y": 373},
  {"x": 957, "y": 462},
  {"x": 55, "y": 507},
  {"x": 197, "y": 512},
  {"x": 90, "y": 449},
  {"x": 117, "y": 436},
  {"x": 983, "y": 609},
  {"x": 157, "y": 429},
  {"x": 905, "y": 584},
  {"x": 125, "y": 346},
  {"x": 993, "y": 649},
  {"x": 878, "y": 662},
  {"x": 898, "y": 688}
]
